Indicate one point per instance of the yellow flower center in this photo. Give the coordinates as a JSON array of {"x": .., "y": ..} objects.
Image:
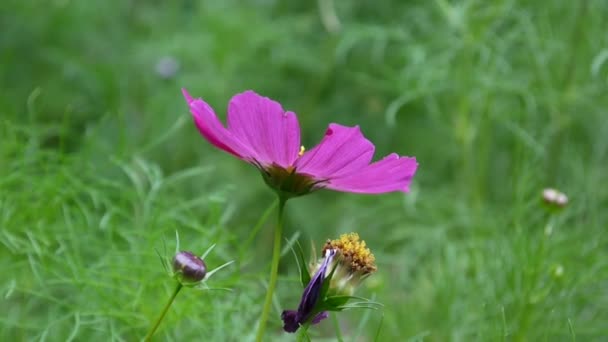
[{"x": 355, "y": 253}]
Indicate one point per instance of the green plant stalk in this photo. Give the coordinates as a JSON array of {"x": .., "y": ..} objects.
[
  {"x": 164, "y": 312},
  {"x": 336, "y": 322},
  {"x": 257, "y": 227},
  {"x": 303, "y": 333},
  {"x": 540, "y": 258},
  {"x": 274, "y": 270}
]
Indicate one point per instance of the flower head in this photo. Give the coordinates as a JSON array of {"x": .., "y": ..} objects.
[
  {"x": 354, "y": 263},
  {"x": 261, "y": 133},
  {"x": 345, "y": 263}
]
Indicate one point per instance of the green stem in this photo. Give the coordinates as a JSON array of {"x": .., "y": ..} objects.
[
  {"x": 257, "y": 227},
  {"x": 539, "y": 257},
  {"x": 303, "y": 333},
  {"x": 164, "y": 312},
  {"x": 274, "y": 270},
  {"x": 336, "y": 322}
]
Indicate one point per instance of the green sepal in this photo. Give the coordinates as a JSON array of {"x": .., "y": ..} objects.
[
  {"x": 335, "y": 301},
  {"x": 303, "y": 270}
]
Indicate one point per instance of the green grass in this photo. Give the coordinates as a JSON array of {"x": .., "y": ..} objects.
[{"x": 100, "y": 165}]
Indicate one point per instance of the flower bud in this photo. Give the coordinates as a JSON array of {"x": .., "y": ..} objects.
[{"x": 189, "y": 268}]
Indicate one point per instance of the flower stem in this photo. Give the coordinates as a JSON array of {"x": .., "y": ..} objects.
[
  {"x": 302, "y": 335},
  {"x": 537, "y": 268},
  {"x": 164, "y": 312},
  {"x": 274, "y": 270},
  {"x": 257, "y": 228},
  {"x": 336, "y": 322}
]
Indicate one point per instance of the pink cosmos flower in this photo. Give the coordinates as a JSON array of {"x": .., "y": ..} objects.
[{"x": 260, "y": 132}]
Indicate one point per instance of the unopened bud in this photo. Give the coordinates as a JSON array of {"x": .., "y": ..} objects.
[{"x": 188, "y": 267}]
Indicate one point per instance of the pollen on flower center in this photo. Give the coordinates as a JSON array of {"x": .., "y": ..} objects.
[{"x": 355, "y": 253}]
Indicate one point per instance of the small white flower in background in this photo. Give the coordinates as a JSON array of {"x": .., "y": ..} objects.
[
  {"x": 555, "y": 197},
  {"x": 166, "y": 67}
]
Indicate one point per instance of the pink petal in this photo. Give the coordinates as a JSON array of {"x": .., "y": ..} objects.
[
  {"x": 392, "y": 173},
  {"x": 261, "y": 123},
  {"x": 212, "y": 129},
  {"x": 342, "y": 151}
]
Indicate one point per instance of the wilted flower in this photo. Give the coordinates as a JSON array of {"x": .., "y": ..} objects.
[
  {"x": 555, "y": 198},
  {"x": 354, "y": 263},
  {"x": 261, "y": 133},
  {"x": 346, "y": 262},
  {"x": 189, "y": 268}
]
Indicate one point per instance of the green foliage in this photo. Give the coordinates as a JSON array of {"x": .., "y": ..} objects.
[{"x": 100, "y": 164}]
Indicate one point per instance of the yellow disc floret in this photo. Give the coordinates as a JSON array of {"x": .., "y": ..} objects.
[{"x": 355, "y": 253}]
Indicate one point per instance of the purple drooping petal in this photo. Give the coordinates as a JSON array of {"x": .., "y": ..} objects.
[
  {"x": 342, "y": 151},
  {"x": 313, "y": 290},
  {"x": 392, "y": 173},
  {"x": 293, "y": 319},
  {"x": 212, "y": 129},
  {"x": 319, "y": 317},
  {"x": 262, "y": 124},
  {"x": 290, "y": 321}
]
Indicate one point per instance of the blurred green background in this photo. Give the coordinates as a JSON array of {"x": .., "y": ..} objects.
[{"x": 100, "y": 164}]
